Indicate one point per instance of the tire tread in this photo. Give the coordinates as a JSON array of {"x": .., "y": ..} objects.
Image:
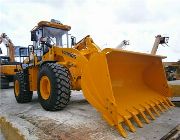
[{"x": 62, "y": 90}]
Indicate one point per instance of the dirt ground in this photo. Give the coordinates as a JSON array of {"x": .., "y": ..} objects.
[
  {"x": 1, "y": 136},
  {"x": 79, "y": 120}
]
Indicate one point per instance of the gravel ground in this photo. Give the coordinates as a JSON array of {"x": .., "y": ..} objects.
[
  {"x": 79, "y": 120},
  {"x": 1, "y": 136}
]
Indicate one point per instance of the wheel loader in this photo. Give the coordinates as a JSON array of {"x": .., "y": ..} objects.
[{"x": 123, "y": 86}]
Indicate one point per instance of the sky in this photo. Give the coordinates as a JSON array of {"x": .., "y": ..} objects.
[{"x": 108, "y": 22}]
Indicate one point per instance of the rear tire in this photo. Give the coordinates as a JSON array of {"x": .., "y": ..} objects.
[
  {"x": 4, "y": 83},
  {"x": 54, "y": 90},
  {"x": 21, "y": 87}
]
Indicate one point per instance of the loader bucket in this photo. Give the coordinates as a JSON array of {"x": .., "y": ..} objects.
[{"x": 126, "y": 87}]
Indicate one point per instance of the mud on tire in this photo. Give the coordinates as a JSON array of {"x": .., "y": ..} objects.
[{"x": 60, "y": 87}]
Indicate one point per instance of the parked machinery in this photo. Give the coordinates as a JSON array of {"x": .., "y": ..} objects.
[
  {"x": 8, "y": 65},
  {"x": 123, "y": 44},
  {"x": 120, "y": 84},
  {"x": 159, "y": 40},
  {"x": 172, "y": 68}
]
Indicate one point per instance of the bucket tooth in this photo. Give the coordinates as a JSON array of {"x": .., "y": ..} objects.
[
  {"x": 121, "y": 130},
  {"x": 170, "y": 102},
  {"x": 159, "y": 107},
  {"x": 162, "y": 104},
  {"x": 150, "y": 113},
  {"x": 129, "y": 124},
  {"x": 167, "y": 104},
  {"x": 165, "y": 107},
  {"x": 144, "y": 116},
  {"x": 137, "y": 120},
  {"x": 154, "y": 109}
]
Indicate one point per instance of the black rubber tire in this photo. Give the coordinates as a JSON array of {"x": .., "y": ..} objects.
[
  {"x": 25, "y": 95},
  {"x": 4, "y": 83},
  {"x": 60, "y": 91}
]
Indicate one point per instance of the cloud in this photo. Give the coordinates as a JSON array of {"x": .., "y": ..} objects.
[{"x": 108, "y": 22}]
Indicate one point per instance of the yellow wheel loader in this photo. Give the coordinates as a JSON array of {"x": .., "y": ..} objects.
[{"x": 123, "y": 86}]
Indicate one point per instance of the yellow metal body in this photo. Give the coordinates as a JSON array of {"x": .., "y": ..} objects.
[
  {"x": 122, "y": 85},
  {"x": 72, "y": 58},
  {"x": 54, "y": 25},
  {"x": 9, "y": 69},
  {"x": 33, "y": 74}
]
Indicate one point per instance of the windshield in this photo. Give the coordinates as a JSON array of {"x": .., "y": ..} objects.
[{"x": 56, "y": 36}]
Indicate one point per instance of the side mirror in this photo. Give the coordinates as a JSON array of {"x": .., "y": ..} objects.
[
  {"x": 34, "y": 36},
  {"x": 73, "y": 40}
]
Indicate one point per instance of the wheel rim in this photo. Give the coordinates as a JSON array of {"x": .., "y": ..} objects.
[
  {"x": 16, "y": 87},
  {"x": 45, "y": 87}
]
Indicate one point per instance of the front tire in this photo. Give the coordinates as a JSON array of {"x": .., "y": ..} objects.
[
  {"x": 21, "y": 87},
  {"x": 54, "y": 88}
]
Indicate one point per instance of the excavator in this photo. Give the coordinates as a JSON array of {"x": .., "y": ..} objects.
[
  {"x": 8, "y": 65},
  {"x": 172, "y": 69},
  {"x": 124, "y": 86},
  {"x": 123, "y": 44},
  {"x": 159, "y": 40}
]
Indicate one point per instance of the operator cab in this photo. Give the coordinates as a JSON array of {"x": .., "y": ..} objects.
[{"x": 48, "y": 34}]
